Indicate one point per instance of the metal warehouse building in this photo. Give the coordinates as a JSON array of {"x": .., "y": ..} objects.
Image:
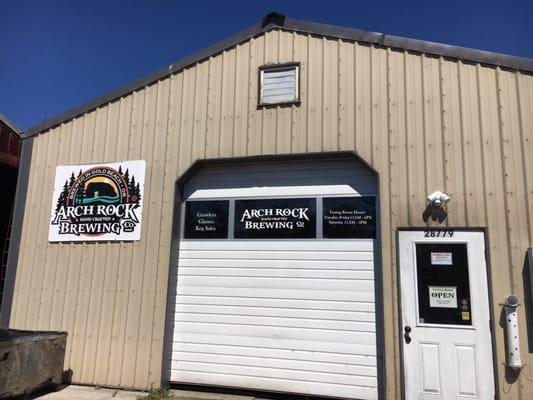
[{"x": 299, "y": 208}]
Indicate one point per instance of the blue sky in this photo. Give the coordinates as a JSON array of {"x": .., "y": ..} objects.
[{"x": 56, "y": 55}]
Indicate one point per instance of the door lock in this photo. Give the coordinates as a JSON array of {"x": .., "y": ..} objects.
[{"x": 407, "y": 331}]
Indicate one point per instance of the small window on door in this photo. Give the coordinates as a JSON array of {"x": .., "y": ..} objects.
[
  {"x": 279, "y": 84},
  {"x": 443, "y": 284}
]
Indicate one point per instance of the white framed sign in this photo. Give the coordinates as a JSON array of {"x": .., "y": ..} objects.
[
  {"x": 97, "y": 202},
  {"x": 443, "y": 296},
  {"x": 441, "y": 258}
]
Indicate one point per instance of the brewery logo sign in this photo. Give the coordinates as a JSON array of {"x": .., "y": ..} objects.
[
  {"x": 275, "y": 218},
  {"x": 97, "y": 202}
]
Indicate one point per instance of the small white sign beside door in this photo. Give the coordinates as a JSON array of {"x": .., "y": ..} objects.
[
  {"x": 443, "y": 296},
  {"x": 441, "y": 258}
]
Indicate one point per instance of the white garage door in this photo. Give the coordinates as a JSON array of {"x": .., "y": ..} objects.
[{"x": 283, "y": 314}]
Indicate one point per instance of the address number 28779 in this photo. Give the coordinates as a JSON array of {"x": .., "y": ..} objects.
[{"x": 434, "y": 233}]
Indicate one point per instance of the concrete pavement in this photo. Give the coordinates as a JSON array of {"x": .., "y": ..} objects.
[{"x": 74, "y": 392}]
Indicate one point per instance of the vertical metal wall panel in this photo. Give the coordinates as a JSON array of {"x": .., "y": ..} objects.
[
  {"x": 187, "y": 116},
  {"x": 50, "y": 261},
  {"x": 164, "y": 222},
  {"x": 105, "y": 322},
  {"x": 142, "y": 285},
  {"x": 425, "y": 123},
  {"x": 242, "y": 95},
  {"x": 414, "y": 126},
  {"x": 330, "y": 95},
  {"x": 40, "y": 255},
  {"x": 497, "y": 220},
  {"x": 398, "y": 141},
  {"x": 153, "y": 235},
  {"x": 346, "y": 95},
  {"x": 380, "y": 160},
  {"x": 363, "y": 101},
  {"x": 283, "y": 121},
  {"x": 315, "y": 66},
  {"x": 24, "y": 273},
  {"x": 515, "y": 183},
  {"x": 63, "y": 250},
  {"x": 269, "y": 114},
  {"x": 214, "y": 111},
  {"x": 98, "y": 269},
  {"x": 88, "y": 264},
  {"x": 299, "y": 115},
  {"x": 255, "y": 119},
  {"x": 120, "y": 292},
  {"x": 431, "y": 96},
  {"x": 227, "y": 128},
  {"x": 398, "y": 188},
  {"x": 137, "y": 142},
  {"x": 471, "y": 134},
  {"x": 83, "y": 264},
  {"x": 200, "y": 111},
  {"x": 68, "y": 305},
  {"x": 453, "y": 148},
  {"x": 524, "y": 88}
]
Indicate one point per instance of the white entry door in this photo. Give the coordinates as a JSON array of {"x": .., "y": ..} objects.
[{"x": 447, "y": 350}]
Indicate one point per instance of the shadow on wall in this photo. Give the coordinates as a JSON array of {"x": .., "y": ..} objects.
[
  {"x": 527, "y": 273},
  {"x": 511, "y": 374},
  {"x": 172, "y": 285}
]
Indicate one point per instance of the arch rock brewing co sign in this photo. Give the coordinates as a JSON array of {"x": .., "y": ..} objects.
[{"x": 97, "y": 202}]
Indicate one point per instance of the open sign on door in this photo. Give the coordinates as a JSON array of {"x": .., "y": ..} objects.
[{"x": 443, "y": 296}]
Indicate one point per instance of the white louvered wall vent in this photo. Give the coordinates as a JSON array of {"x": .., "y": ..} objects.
[{"x": 279, "y": 84}]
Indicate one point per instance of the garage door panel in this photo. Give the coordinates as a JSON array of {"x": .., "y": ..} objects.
[
  {"x": 355, "y": 265},
  {"x": 277, "y": 255},
  {"x": 273, "y": 372},
  {"x": 270, "y": 362},
  {"x": 306, "y": 304},
  {"x": 326, "y": 357},
  {"x": 276, "y": 273},
  {"x": 292, "y": 333},
  {"x": 328, "y": 314},
  {"x": 328, "y": 246},
  {"x": 312, "y": 323},
  {"x": 312, "y": 284},
  {"x": 277, "y": 293},
  {"x": 274, "y": 343},
  {"x": 279, "y": 385}
]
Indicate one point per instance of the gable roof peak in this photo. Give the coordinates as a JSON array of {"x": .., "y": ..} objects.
[{"x": 274, "y": 18}]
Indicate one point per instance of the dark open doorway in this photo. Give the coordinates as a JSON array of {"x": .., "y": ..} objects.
[{"x": 9, "y": 163}]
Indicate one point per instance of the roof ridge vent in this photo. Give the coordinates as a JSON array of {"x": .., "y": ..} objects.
[{"x": 273, "y": 18}]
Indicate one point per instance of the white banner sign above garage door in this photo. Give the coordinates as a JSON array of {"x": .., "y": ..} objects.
[{"x": 97, "y": 202}]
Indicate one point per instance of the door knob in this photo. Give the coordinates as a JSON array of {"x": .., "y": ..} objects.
[{"x": 406, "y": 336}]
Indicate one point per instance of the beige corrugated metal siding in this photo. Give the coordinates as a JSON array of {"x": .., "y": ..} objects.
[{"x": 424, "y": 123}]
